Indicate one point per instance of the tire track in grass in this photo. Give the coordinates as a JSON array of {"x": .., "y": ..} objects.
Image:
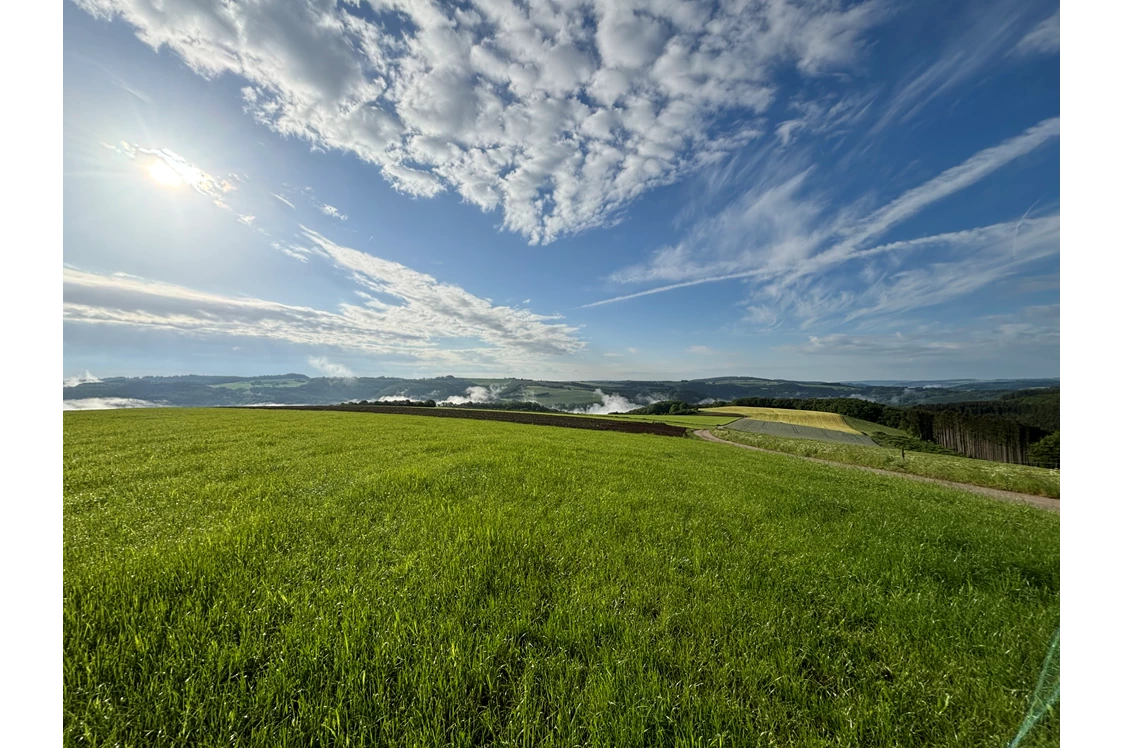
[{"x": 1041, "y": 502}]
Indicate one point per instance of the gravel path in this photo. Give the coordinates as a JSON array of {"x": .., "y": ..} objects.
[{"x": 1040, "y": 502}]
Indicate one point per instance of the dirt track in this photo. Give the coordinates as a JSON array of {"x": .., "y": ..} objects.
[
  {"x": 540, "y": 419},
  {"x": 1040, "y": 502}
]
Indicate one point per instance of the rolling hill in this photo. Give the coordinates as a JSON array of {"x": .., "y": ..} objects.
[{"x": 298, "y": 389}]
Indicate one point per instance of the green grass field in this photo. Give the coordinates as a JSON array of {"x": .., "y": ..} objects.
[
  {"x": 1001, "y": 475},
  {"x": 870, "y": 428},
  {"x": 290, "y": 578}
]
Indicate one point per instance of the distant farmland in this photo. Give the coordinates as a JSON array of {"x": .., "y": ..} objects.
[
  {"x": 811, "y": 418},
  {"x": 271, "y": 578},
  {"x": 778, "y": 428},
  {"x": 794, "y": 424}
]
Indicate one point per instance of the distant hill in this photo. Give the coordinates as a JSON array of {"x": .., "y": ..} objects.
[
  {"x": 981, "y": 385},
  {"x": 298, "y": 389}
]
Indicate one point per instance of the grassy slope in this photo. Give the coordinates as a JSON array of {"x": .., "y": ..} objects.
[
  {"x": 300, "y": 578},
  {"x": 870, "y": 428},
  {"x": 814, "y": 418},
  {"x": 553, "y": 396},
  {"x": 1008, "y": 477},
  {"x": 897, "y": 439}
]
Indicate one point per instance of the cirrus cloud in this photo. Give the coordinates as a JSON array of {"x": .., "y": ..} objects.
[{"x": 404, "y": 313}]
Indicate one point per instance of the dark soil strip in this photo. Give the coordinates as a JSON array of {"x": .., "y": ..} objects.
[{"x": 540, "y": 419}]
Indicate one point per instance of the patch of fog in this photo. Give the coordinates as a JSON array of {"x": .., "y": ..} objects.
[
  {"x": 707, "y": 401},
  {"x": 108, "y": 403},
  {"x": 610, "y": 404},
  {"x": 895, "y": 400},
  {"x": 474, "y": 395},
  {"x": 84, "y": 378},
  {"x": 392, "y": 398}
]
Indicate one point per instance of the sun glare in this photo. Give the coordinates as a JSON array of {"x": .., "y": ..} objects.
[{"x": 164, "y": 174}]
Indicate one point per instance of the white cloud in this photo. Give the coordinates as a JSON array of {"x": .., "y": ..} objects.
[
  {"x": 955, "y": 179},
  {"x": 107, "y": 403},
  {"x": 183, "y": 170},
  {"x": 1045, "y": 38},
  {"x": 1036, "y": 327},
  {"x": 473, "y": 395},
  {"x": 405, "y": 313},
  {"x": 969, "y": 261},
  {"x": 611, "y": 403},
  {"x": 779, "y": 232},
  {"x": 428, "y": 305},
  {"x": 295, "y": 251},
  {"x": 331, "y": 210},
  {"x": 834, "y": 116},
  {"x": 131, "y": 89},
  {"x": 988, "y": 32},
  {"x": 330, "y": 368},
  {"x": 556, "y": 114},
  {"x": 84, "y": 378},
  {"x": 283, "y": 200},
  {"x": 703, "y": 350}
]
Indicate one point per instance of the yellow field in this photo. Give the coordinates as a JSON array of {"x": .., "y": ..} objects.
[{"x": 815, "y": 418}]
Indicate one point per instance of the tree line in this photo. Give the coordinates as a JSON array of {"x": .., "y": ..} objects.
[
  {"x": 1038, "y": 408},
  {"x": 1020, "y": 427},
  {"x": 512, "y": 405},
  {"x": 666, "y": 408}
]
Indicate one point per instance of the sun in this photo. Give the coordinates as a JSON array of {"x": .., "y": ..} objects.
[{"x": 164, "y": 174}]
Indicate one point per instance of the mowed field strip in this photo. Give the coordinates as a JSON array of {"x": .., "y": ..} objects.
[
  {"x": 292, "y": 578},
  {"x": 799, "y": 431},
  {"x": 811, "y": 418}
]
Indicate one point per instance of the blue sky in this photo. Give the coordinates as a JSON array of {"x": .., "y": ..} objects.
[{"x": 603, "y": 190}]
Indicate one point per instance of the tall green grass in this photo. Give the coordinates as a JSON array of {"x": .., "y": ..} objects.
[
  {"x": 312, "y": 579},
  {"x": 1001, "y": 475}
]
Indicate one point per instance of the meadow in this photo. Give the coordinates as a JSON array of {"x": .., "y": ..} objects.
[
  {"x": 812, "y": 418},
  {"x": 288, "y": 578},
  {"x": 1001, "y": 475}
]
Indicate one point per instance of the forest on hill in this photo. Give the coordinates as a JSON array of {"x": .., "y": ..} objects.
[{"x": 1020, "y": 427}]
